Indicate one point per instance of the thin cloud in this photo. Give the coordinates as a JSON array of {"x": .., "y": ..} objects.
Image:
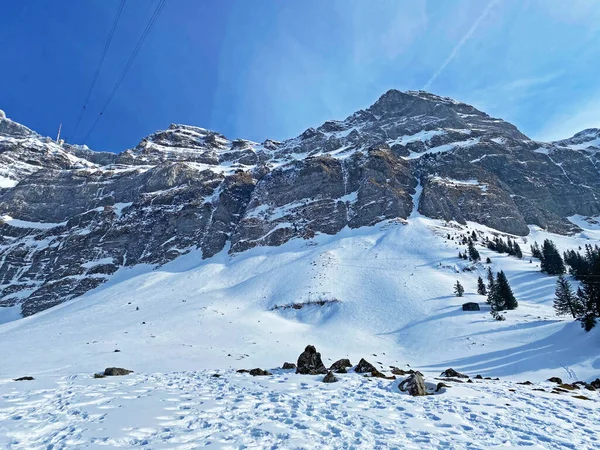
[{"x": 462, "y": 42}]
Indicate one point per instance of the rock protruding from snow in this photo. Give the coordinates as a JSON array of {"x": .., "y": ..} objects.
[
  {"x": 341, "y": 366},
  {"x": 288, "y": 366},
  {"x": 259, "y": 372},
  {"x": 414, "y": 385},
  {"x": 116, "y": 371},
  {"x": 451, "y": 373},
  {"x": 364, "y": 366},
  {"x": 310, "y": 363},
  {"x": 329, "y": 378}
]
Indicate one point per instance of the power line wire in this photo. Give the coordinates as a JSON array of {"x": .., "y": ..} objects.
[
  {"x": 136, "y": 50},
  {"x": 104, "y": 52}
]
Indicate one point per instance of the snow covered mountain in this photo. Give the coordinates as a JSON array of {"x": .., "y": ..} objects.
[
  {"x": 192, "y": 256},
  {"x": 72, "y": 217}
]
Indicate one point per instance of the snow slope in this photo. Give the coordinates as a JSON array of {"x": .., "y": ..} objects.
[
  {"x": 394, "y": 283},
  {"x": 189, "y": 410}
]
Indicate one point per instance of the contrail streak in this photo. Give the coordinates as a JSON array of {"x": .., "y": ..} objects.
[{"x": 462, "y": 42}]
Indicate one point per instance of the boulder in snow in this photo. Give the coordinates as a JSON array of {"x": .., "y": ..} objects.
[
  {"x": 340, "y": 366},
  {"x": 364, "y": 366},
  {"x": 310, "y": 363},
  {"x": 23, "y": 378},
  {"x": 451, "y": 373},
  {"x": 116, "y": 371},
  {"x": 414, "y": 385},
  {"x": 259, "y": 372},
  {"x": 329, "y": 378}
]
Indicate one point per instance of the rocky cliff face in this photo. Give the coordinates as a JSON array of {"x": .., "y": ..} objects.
[{"x": 71, "y": 216}]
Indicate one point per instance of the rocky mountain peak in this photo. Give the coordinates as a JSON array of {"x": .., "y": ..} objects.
[
  {"x": 72, "y": 216},
  {"x": 588, "y": 139}
]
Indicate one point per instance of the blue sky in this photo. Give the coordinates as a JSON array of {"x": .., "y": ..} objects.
[{"x": 271, "y": 68}]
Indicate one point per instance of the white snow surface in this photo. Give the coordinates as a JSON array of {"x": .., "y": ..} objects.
[
  {"x": 18, "y": 223},
  {"x": 6, "y": 182},
  {"x": 197, "y": 317}
]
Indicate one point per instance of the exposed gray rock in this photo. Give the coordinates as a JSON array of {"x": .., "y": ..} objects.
[
  {"x": 330, "y": 378},
  {"x": 116, "y": 371},
  {"x": 340, "y": 366},
  {"x": 259, "y": 372},
  {"x": 414, "y": 385},
  {"x": 24, "y": 379},
  {"x": 309, "y": 362},
  {"x": 364, "y": 366},
  {"x": 440, "y": 386},
  {"x": 451, "y": 373},
  {"x": 288, "y": 366}
]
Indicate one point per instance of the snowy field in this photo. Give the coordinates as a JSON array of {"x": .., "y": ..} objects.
[
  {"x": 189, "y": 410},
  {"x": 177, "y": 325}
]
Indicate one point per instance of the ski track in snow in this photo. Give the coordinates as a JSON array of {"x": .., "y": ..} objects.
[{"x": 190, "y": 410}]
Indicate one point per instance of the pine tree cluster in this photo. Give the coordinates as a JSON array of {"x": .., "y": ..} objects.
[
  {"x": 584, "y": 304},
  {"x": 551, "y": 262},
  {"x": 510, "y": 246}
]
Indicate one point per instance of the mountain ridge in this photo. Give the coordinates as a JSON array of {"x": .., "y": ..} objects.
[{"x": 73, "y": 216}]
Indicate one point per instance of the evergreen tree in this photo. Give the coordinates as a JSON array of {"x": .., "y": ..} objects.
[
  {"x": 488, "y": 260},
  {"x": 474, "y": 235},
  {"x": 460, "y": 255},
  {"x": 473, "y": 253},
  {"x": 459, "y": 290},
  {"x": 536, "y": 252},
  {"x": 551, "y": 262},
  {"x": 588, "y": 321},
  {"x": 481, "y": 290},
  {"x": 517, "y": 250},
  {"x": 509, "y": 247},
  {"x": 492, "y": 297},
  {"x": 565, "y": 301},
  {"x": 490, "y": 279},
  {"x": 504, "y": 296}
]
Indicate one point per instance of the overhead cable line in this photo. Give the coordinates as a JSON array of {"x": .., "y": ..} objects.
[
  {"x": 104, "y": 52},
  {"x": 136, "y": 50}
]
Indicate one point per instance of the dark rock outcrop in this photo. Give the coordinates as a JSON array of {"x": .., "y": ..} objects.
[
  {"x": 24, "y": 379},
  {"x": 116, "y": 371},
  {"x": 364, "y": 366},
  {"x": 451, "y": 373},
  {"x": 340, "y": 366},
  {"x": 414, "y": 385},
  {"x": 288, "y": 366},
  {"x": 330, "y": 378},
  {"x": 440, "y": 386},
  {"x": 398, "y": 371},
  {"x": 310, "y": 363},
  {"x": 259, "y": 372}
]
